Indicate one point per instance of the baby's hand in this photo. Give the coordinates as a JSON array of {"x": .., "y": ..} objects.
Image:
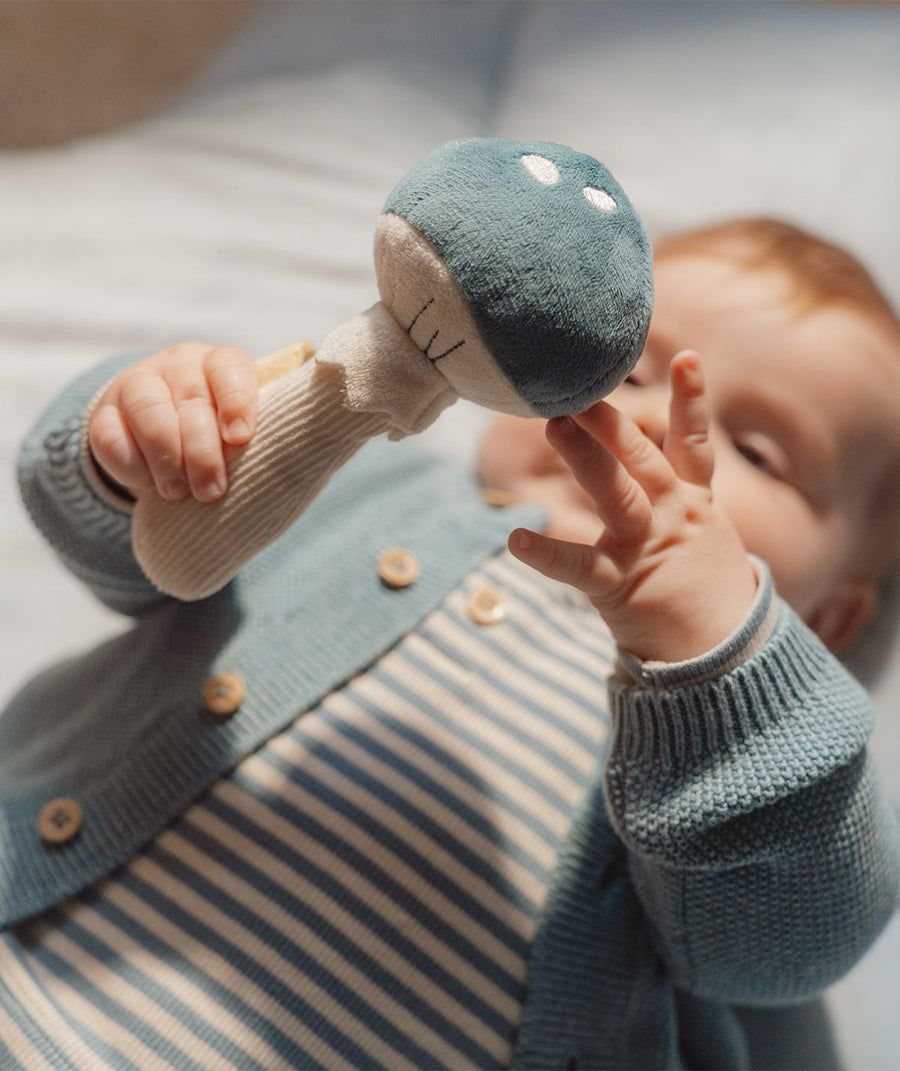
[
  {"x": 165, "y": 421},
  {"x": 669, "y": 574}
]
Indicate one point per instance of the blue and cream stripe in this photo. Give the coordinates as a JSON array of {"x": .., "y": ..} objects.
[{"x": 360, "y": 893}]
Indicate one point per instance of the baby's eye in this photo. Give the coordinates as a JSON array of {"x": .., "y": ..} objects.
[
  {"x": 645, "y": 372},
  {"x": 758, "y": 458}
]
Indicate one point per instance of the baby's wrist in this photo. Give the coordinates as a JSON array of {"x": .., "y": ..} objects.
[{"x": 738, "y": 647}]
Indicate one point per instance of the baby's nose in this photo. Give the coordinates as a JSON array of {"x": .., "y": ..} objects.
[{"x": 647, "y": 406}]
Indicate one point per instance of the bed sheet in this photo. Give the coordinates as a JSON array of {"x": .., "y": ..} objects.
[{"x": 244, "y": 212}]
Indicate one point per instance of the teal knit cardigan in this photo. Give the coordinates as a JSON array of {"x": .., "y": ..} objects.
[{"x": 738, "y": 848}]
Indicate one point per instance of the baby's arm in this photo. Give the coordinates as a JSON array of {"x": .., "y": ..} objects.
[{"x": 759, "y": 839}]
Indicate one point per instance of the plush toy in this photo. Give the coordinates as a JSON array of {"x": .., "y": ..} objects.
[{"x": 514, "y": 274}]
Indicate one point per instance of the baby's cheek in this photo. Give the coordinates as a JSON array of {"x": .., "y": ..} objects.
[{"x": 775, "y": 522}]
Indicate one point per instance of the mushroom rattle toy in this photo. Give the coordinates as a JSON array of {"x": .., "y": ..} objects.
[{"x": 514, "y": 274}]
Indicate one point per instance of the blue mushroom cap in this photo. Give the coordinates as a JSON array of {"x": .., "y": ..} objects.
[{"x": 550, "y": 255}]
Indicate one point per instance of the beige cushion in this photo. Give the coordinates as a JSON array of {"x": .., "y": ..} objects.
[{"x": 83, "y": 66}]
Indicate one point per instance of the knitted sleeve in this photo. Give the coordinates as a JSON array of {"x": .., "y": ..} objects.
[
  {"x": 760, "y": 842},
  {"x": 85, "y": 523}
]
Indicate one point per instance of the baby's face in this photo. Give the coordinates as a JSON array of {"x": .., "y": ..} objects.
[{"x": 797, "y": 405}]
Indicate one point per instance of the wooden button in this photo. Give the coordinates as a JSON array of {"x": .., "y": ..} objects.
[
  {"x": 495, "y": 497},
  {"x": 397, "y": 567},
  {"x": 486, "y": 605},
  {"x": 224, "y": 693},
  {"x": 59, "y": 820}
]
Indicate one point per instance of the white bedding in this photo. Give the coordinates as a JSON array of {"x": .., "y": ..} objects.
[{"x": 244, "y": 213}]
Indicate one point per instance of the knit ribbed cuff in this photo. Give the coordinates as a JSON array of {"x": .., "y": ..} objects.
[{"x": 791, "y": 703}]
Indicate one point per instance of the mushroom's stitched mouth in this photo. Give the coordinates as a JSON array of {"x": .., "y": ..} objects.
[
  {"x": 421, "y": 292},
  {"x": 426, "y": 347}
]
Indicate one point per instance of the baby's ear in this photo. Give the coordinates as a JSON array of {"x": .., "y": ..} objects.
[{"x": 844, "y": 612}]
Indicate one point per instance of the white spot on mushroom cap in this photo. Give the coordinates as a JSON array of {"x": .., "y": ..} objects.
[
  {"x": 542, "y": 169},
  {"x": 599, "y": 199}
]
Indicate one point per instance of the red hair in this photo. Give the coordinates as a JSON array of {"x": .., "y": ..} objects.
[{"x": 822, "y": 273}]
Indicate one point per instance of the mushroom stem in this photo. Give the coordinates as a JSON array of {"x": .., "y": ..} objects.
[
  {"x": 368, "y": 378},
  {"x": 192, "y": 549}
]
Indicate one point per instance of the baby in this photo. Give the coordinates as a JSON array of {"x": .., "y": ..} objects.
[{"x": 321, "y": 821}]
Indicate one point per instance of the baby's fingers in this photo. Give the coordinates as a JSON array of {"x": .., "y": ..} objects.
[
  {"x": 146, "y": 408},
  {"x": 575, "y": 564},
  {"x": 687, "y": 444},
  {"x": 201, "y": 439},
  {"x": 215, "y": 393},
  {"x": 116, "y": 452},
  {"x": 620, "y": 500},
  {"x": 232, "y": 379}
]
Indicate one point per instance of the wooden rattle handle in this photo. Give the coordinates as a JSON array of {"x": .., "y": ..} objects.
[
  {"x": 192, "y": 549},
  {"x": 282, "y": 362}
]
